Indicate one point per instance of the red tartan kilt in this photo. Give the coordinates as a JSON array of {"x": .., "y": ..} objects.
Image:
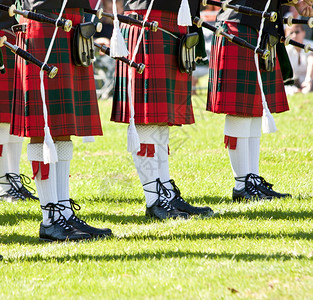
[
  {"x": 6, "y": 86},
  {"x": 161, "y": 94},
  {"x": 70, "y": 96},
  {"x": 233, "y": 88}
]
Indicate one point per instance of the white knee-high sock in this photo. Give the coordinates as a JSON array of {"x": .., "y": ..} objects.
[
  {"x": 254, "y": 145},
  {"x": 46, "y": 188},
  {"x": 254, "y": 155},
  {"x": 47, "y": 192},
  {"x": 4, "y": 138},
  {"x": 4, "y": 183},
  {"x": 151, "y": 168},
  {"x": 14, "y": 154},
  {"x": 163, "y": 166},
  {"x": 147, "y": 169},
  {"x": 239, "y": 159},
  {"x": 163, "y": 162},
  {"x": 65, "y": 154}
]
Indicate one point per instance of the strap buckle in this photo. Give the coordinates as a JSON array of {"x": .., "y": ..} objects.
[{"x": 19, "y": 28}]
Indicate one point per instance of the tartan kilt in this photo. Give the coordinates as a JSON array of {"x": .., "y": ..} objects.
[
  {"x": 161, "y": 94},
  {"x": 70, "y": 96},
  {"x": 6, "y": 86},
  {"x": 233, "y": 87}
]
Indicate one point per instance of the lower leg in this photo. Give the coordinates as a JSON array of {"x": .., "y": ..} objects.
[
  {"x": 239, "y": 161},
  {"x": 14, "y": 147},
  {"x": 254, "y": 145},
  {"x": 5, "y": 185},
  {"x": 65, "y": 154},
  {"x": 254, "y": 154},
  {"x": 45, "y": 180},
  {"x": 147, "y": 169}
]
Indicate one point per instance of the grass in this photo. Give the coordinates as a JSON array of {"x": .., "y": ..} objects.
[{"x": 257, "y": 250}]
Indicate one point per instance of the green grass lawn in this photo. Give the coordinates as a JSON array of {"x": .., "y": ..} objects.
[{"x": 257, "y": 250}]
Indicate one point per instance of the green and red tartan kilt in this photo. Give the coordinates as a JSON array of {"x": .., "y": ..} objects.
[
  {"x": 70, "y": 96},
  {"x": 233, "y": 87},
  {"x": 6, "y": 86},
  {"x": 161, "y": 94}
]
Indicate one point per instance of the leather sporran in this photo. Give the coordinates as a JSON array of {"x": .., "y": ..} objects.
[
  {"x": 268, "y": 42},
  {"x": 187, "y": 52},
  {"x": 83, "y": 51}
]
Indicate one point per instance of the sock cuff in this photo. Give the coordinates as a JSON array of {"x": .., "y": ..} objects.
[
  {"x": 153, "y": 134},
  {"x": 242, "y": 127},
  {"x": 35, "y": 152},
  {"x": 64, "y": 150}
]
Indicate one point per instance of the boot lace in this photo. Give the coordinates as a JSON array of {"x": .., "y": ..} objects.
[
  {"x": 177, "y": 191},
  {"x": 14, "y": 179},
  {"x": 166, "y": 205},
  {"x": 14, "y": 193},
  {"x": 251, "y": 181},
  {"x": 258, "y": 180},
  {"x": 62, "y": 222},
  {"x": 74, "y": 206},
  {"x": 52, "y": 208},
  {"x": 163, "y": 194},
  {"x": 161, "y": 189}
]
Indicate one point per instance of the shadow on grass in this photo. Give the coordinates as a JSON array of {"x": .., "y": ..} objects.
[
  {"x": 267, "y": 215},
  {"x": 12, "y": 219},
  {"x": 249, "y": 257},
  {"x": 300, "y": 235},
  {"x": 15, "y": 238}
]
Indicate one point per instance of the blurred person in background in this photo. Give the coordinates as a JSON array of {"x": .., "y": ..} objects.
[
  {"x": 302, "y": 63},
  {"x": 104, "y": 65}
]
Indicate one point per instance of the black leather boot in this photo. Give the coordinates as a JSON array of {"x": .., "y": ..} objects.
[
  {"x": 249, "y": 192},
  {"x": 162, "y": 209},
  {"x": 266, "y": 188},
  {"x": 179, "y": 203},
  {"x": 24, "y": 180},
  {"x": 82, "y": 225},
  {"x": 12, "y": 195},
  {"x": 59, "y": 229}
]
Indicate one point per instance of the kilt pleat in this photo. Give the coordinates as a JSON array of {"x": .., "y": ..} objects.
[
  {"x": 233, "y": 88},
  {"x": 6, "y": 86},
  {"x": 161, "y": 94},
  {"x": 70, "y": 96}
]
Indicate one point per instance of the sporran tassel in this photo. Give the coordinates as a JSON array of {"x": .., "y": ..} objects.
[
  {"x": 184, "y": 15},
  {"x": 117, "y": 44},
  {"x": 268, "y": 122},
  {"x": 50, "y": 155},
  {"x": 133, "y": 141}
]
